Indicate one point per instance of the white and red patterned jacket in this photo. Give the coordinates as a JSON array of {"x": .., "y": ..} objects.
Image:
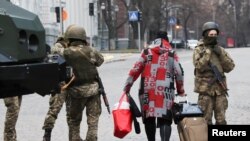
[{"x": 160, "y": 73}]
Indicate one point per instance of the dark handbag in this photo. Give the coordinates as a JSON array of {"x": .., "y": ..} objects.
[
  {"x": 133, "y": 107},
  {"x": 135, "y": 113}
]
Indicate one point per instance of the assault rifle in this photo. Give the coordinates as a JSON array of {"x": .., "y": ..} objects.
[
  {"x": 219, "y": 77},
  {"x": 103, "y": 93}
]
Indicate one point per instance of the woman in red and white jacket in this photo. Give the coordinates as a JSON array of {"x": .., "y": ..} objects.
[{"x": 161, "y": 73}]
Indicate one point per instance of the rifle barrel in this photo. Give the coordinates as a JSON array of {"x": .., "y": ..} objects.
[
  {"x": 106, "y": 102},
  {"x": 103, "y": 93}
]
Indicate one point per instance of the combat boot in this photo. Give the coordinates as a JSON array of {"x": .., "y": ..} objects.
[{"x": 47, "y": 135}]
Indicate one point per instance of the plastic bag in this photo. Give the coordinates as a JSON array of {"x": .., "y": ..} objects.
[{"x": 122, "y": 117}]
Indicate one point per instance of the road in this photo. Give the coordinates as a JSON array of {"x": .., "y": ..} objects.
[{"x": 114, "y": 73}]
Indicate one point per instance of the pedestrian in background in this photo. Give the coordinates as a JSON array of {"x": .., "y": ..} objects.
[
  {"x": 160, "y": 72},
  {"x": 13, "y": 105},
  {"x": 212, "y": 96},
  {"x": 83, "y": 88}
]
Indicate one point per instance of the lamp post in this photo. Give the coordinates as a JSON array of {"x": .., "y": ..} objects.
[
  {"x": 116, "y": 31},
  {"x": 102, "y": 8},
  {"x": 213, "y": 10},
  {"x": 235, "y": 24},
  {"x": 185, "y": 18},
  {"x": 175, "y": 7},
  {"x": 232, "y": 2},
  {"x": 175, "y": 35},
  {"x": 128, "y": 2},
  {"x": 61, "y": 20}
]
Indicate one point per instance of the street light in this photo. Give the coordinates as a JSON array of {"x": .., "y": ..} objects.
[
  {"x": 102, "y": 8},
  {"x": 235, "y": 24},
  {"x": 232, "y": 2},
  {"x": 116, "y": 31},
  {"x": 175, "y": 20},
  {"x": 127, "y": 2},
  {"x": 176, "y": 28},
  {"x": 129, "y": 26},
  {"x": 175, "y": 7}
]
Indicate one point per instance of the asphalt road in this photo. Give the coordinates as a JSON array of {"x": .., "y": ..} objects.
[{"x": 113, "y": 73}]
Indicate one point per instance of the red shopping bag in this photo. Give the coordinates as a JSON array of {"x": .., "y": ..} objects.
[{"x": 122, "y": 117}]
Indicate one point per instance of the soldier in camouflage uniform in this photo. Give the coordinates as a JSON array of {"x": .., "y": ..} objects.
[
  {"x": 56, "y": 100},
  {"x": 83, "y": 91},
  {"x": 13, "y": 105},
  {"x": 212, "y": 96}
]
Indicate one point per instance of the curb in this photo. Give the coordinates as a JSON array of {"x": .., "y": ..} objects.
[
  {"x": 108, "y": 57},
  {"x": 114, "y": 57}
]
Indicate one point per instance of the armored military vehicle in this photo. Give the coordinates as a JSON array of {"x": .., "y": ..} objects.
[{"x": 24, "y": 64}]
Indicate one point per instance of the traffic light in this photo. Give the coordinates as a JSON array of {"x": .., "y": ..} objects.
[
  {"x": 139, "y": 16},
  {"x": 91, "y": 9},
  {"x": 58, "y": 15}
]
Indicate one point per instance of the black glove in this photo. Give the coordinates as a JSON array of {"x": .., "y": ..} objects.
[{"x": 217, "y": 50}]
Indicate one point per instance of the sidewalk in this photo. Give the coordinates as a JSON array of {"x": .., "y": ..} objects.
[{"x": 113, "y": 57}]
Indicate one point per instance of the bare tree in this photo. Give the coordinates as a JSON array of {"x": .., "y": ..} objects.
[{"x": 233, "y": 16}]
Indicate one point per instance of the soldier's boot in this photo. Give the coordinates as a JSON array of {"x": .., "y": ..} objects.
[{"x": 47, "y": 135}]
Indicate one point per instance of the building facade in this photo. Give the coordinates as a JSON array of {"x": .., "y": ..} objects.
[{"x": 77, "y": 12}]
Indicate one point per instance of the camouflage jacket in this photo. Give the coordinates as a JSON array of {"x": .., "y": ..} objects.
[
  {"x": 205, "y": 81},
  {"x": 58, "y": 47},
  {"x": 83, "y": 60}
]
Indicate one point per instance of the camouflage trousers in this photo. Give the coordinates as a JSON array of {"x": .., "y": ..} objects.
[
  {"x": 217, "y": 104},
  {"x": 75, "y": 107},
  {"x": 13, "y": 107},
  {"x": 55, "y": 105}
]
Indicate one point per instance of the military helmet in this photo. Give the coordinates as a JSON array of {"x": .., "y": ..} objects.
[
  {"x": 67, "y": 30},
  {"x": 210, "y": 26},
  {"x": 75, "y": 32}
]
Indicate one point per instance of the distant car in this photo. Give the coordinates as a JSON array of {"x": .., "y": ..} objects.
[
  {"x": 191, "y": 44},
  {"x": 178, "y": 43}
]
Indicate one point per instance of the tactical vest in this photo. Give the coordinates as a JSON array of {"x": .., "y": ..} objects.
[{"x": 84, "y": 70}]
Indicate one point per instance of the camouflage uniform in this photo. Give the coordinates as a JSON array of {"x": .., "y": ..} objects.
[
  {"x": 212, "y": 96},
  {"x": 83, "y": 92},
  {"x": 13, "y": 107},
  {"x": 55, "y": 105},
  {"x": 56, "y": 100}
]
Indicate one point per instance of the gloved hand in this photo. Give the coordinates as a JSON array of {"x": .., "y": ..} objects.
[{"x": 217, "y": 50}]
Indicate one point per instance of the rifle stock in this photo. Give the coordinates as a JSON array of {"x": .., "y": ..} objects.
[{"x": 219, "y": 77}]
